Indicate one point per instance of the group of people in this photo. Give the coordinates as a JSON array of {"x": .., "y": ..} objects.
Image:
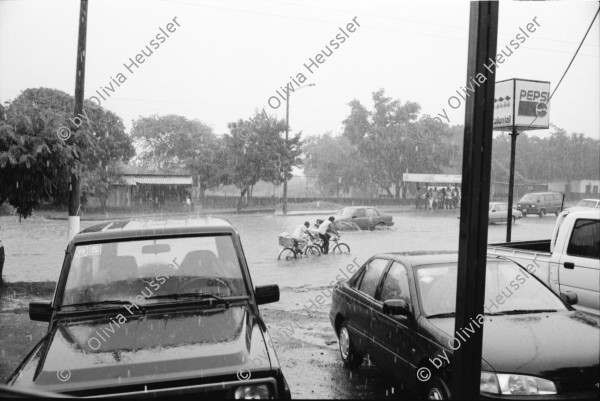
[
  {"x": 438, "y": 198},
  {"x": 304, "y": 231}
]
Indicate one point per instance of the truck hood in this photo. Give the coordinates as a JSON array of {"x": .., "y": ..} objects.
[
  {"x": 132, "y": 350},
  {"x": 558, "y": 345}
]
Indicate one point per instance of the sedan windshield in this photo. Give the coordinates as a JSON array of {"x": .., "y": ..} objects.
[
  {"x": 154, "y": 270},
  {"x": 508, "y": 289},
  {"x": 587, "y": 203}
]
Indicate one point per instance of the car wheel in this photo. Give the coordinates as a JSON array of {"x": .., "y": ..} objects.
[
  {"x": 350, "y": 357},
  {"x": 542, "y": 213},
  {"x": 436, "y": 389}
]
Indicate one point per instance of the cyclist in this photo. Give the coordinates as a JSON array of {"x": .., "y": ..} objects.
[
  {"x": 324, "y": 229},
  {"x": 299, "y": 236}
]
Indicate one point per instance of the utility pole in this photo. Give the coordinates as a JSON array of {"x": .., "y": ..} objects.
[
  {"x": 287, "y": 159},
  {"x": 287, "y": 130},
  {"x": 75, "y": 190},
  {"x": 473, "y": 232},
  {"x": 511, "y": 182}
]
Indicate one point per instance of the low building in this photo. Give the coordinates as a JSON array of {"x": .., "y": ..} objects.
[
  {"x": 578, "y": 188},
  {"x": 142, "y": 189}
]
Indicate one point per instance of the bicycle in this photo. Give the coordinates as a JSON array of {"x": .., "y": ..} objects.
[
  {"x": 291, "y": 251},
  {"x": 339, "y": 247}
]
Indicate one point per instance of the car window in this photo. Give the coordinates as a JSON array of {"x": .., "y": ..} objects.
[
  {"x": 370, "y": 279},
  {"x": 585, "y": 239},
  {"x": 369, "y": 212},
  {"x": 395, "y": 284},
  {"x": 372, "y": 212},
  {"x": 508, "y": 288},
  {"x": 136, "y": 270},
  {"x": 359, "y": 213}
]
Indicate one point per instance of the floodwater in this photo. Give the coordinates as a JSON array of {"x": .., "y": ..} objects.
[{"x": 35, "y": 247}]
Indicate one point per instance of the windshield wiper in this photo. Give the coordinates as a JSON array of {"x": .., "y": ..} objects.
[
  {"x": 447, "y": 314},
  {"x": 524, "y": 311},
  {"x": 119, "y": 302},
  {"x": 225, "y": 301}
]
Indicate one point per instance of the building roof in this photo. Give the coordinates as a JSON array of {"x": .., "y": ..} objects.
[{"x": 157, "y": 179}]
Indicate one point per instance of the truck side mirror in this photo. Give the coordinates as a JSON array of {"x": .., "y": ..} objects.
[
  {"x": 40, "y": 311},
  {"x": 266, "y": 294},
  {"x": 569, "y": 297}
]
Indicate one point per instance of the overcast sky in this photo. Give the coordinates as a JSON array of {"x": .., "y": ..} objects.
[{"x": 227, "y": 58}]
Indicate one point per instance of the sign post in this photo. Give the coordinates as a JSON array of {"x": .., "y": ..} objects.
[{"x": 519, "y": 104}]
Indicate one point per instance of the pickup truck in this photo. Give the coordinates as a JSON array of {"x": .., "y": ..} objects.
[
  {"x": 568, "y": 262},
  {"x": 159, "y": 308}
]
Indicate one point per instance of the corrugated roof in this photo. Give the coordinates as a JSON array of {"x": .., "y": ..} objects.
[{"x": 157, "y": 180}]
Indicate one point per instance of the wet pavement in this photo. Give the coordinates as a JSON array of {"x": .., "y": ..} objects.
[{"x": 299, "y": 324}]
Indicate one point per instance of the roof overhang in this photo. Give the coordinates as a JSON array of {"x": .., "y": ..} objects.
[{"x": 157, "y": 180}]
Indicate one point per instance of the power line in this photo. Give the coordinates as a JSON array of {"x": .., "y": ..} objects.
[{"x": 571, "y": 62}]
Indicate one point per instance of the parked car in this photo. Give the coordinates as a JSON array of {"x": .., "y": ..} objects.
[
  {"x": 585, "y": 204},
  {"x": 569, "y": 261},
  {"x": 155, "y": 308},
  {"x": 540, "y": 203},
  {"x": 399, "y": 309},
  {"x": 365, "y": 217},
  {"x": 498, "y": 212}
]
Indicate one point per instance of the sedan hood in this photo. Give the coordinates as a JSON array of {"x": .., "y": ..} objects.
[
  {"x": 563, "y": 345},
  {"x": 129, "y": 350}
]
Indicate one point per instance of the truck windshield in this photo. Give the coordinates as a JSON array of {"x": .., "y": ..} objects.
[
  {"x": 508, "y": 289},
  {"x": 136, "y": 271},
  {"x": 528, "y": 199}
]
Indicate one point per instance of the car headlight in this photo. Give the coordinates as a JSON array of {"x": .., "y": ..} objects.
[
  {"x": 532, "y": 205},
  {"x": 253, "y": 392},
  {"x": 509, "y": 384}
]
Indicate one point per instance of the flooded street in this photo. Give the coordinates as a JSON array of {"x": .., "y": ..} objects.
[
  {"x": 35, "y": 247},
  {"x": 298, "y": 324}
]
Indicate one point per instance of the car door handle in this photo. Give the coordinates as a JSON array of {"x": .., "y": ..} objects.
[{"x": 569, "y": 265}]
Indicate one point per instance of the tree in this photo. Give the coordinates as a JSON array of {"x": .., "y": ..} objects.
[
  {"x": 259, "y": 153},
  {"x": 42, "y": 144},
  {"x": 391, "y": 140},
  {"x": 557, "y": 157},
  {"x": 175, "y": 143},
  {"x": 100, "y": 182},
  {"x": 335, "y": 162},
  {"x": 34, "y": 163}
]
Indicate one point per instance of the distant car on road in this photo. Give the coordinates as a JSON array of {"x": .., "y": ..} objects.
[
  {"x": 155, "y": 309},
  {"x": 585, "y": 204},
  {"x": 498, "y": 212},
  {"x": 365, "y": 217},
  {"x": 399, "y": 309}
]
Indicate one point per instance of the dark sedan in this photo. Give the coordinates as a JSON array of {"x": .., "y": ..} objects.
[
  {"x": 155, "y": 309},
  {"x": 365, "y": 217},
  {"x": 398, "y": 309}
]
